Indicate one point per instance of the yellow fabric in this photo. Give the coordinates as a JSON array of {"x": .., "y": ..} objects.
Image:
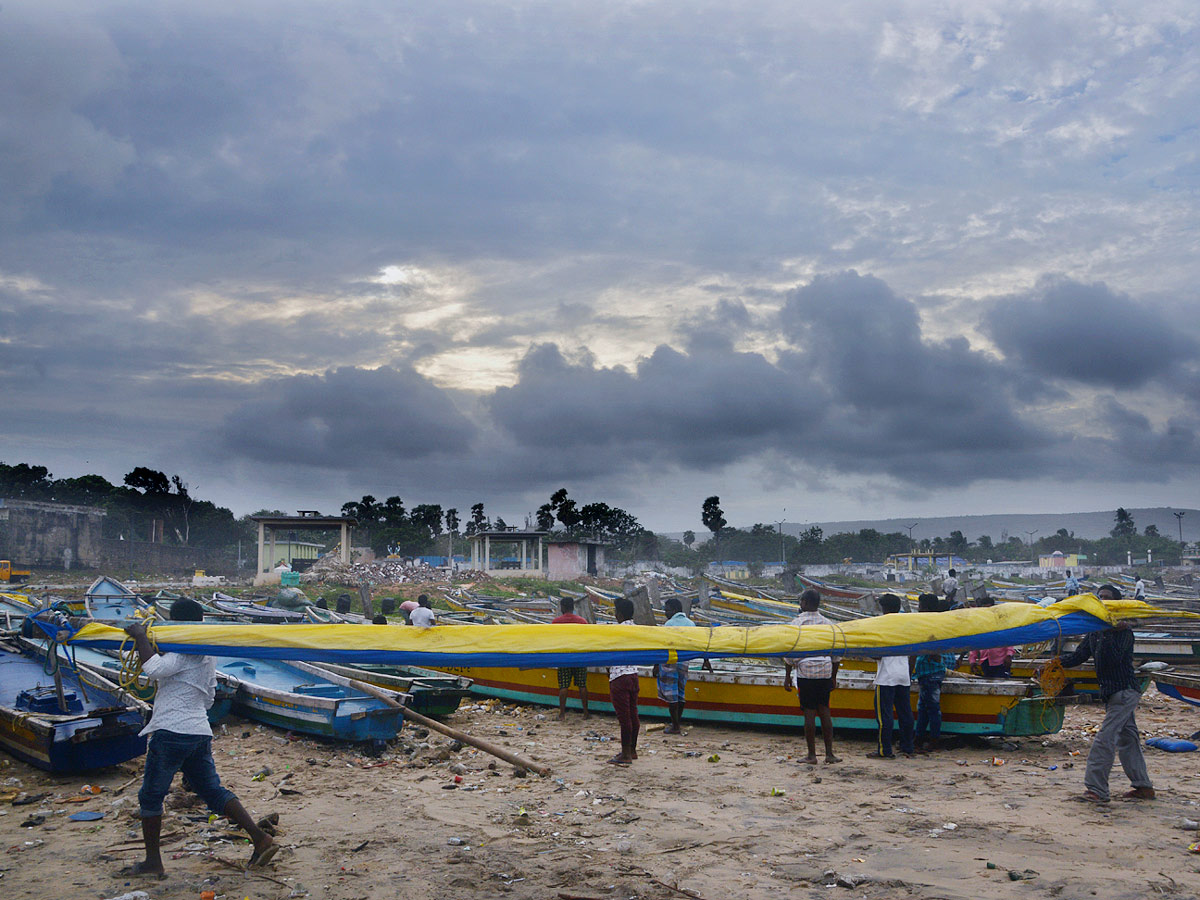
[{"x": 896, "y": 630}]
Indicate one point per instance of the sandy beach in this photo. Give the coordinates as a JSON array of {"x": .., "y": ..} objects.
[{"x": 719, "y": 813}]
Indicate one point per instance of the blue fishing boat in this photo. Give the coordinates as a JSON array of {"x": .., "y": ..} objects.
[
  {"x": 61, "y": 720},
  {"x": 109, "y": 601},
  {"x": 430, "y": 693},
  {"x": 108, "y": 666},
  {"x": 301, "y": 697}
]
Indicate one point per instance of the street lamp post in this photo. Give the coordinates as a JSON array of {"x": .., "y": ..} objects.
[
  {"x": 1179, "y": 518},
  {"x": 910, "y": 528},
  {"x": 782, "y": 553},
  {"x": 1031, "y": 534}
]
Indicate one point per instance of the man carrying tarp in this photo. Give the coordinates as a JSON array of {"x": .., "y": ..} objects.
[{"x": 1112, "y": 649}]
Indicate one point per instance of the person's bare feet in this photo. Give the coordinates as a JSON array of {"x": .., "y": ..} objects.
[
  {"x": 830, "y": 758},
  {"x": 143, "y": 869},
  {"x": 562, "y": 714},
  {"x": 671, "y": 729},
  {"x": 263, "y": 853},
  {"x": 811, "y": 761}
]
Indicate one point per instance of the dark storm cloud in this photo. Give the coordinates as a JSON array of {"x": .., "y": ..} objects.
[
  {"x": 347, "y": 418},
  {"x": 1088, "y": 333},
  {"x": 697, "y": 410}
]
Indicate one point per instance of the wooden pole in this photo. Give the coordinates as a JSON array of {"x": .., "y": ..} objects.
[{"x": 519, "y": 761}]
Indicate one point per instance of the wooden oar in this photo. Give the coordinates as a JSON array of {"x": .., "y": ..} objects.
[{"x": 487, "y": 747}]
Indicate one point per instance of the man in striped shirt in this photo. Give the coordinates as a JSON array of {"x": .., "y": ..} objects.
[{"x": 816, "y": 677}]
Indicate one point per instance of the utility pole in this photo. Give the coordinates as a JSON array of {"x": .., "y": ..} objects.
[
  {"x": 1179, "y": 518},
  {"x": 782, "y": 554},
  {"x": 1031, "y": 534}
]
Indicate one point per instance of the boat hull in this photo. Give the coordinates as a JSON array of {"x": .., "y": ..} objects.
[
  {"x": 1179, "y": 686},
  {"x": 757, "y": 698},
  {"x": 99, "y": 731},
  {"x": 316, "y": 702}
]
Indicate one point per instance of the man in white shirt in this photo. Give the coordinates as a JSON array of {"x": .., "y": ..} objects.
[
  {"x": 181, "y": 741},
  {"x": 422, "y": 616},
  {"x": 816, "y": 677},
  {"x": 893, "y": 692},
  {"x": 1139, "y": 589},
  {"x": 950, "y": 588}
]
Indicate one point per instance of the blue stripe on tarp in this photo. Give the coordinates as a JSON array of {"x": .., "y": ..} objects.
[{"x": 1070, "y": 625}]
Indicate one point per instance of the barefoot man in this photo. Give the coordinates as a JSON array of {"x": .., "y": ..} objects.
[
  {"x": 815, "y": 680},
  {"x": 181, "y": 741},
  {"x": 577, "y": 674}
]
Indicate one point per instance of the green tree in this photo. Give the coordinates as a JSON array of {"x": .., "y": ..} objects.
[
  {"x": 689, "y": 538},
  {"x": 714, "y": 520},
  {"x": 1124, "y": 527}
]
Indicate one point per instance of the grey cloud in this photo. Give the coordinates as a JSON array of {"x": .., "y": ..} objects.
[
  {"x": 1087, "y": 333},
  {"x": 346, "y": 418}
]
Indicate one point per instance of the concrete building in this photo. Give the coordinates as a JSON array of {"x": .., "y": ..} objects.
[
  {"x": 53, "y": 535},
  {"x": 570, "y": 558},
  {"x": 507, "y": 554}
]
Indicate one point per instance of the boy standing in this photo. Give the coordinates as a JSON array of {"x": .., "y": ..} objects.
[
  {"x": 623, "y": 692},
  {"x": 672, "y": 677},
  {"x": 892, "y": 689},
  {"x": 577, "y": 674},
  {"x": 930, "y": 672},
  {"x": 816, "y": 677}
]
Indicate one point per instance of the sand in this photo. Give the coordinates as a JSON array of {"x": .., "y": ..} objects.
[{"x": 755, "y": 823}]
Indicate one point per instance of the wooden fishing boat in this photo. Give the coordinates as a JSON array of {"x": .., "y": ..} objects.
[
  {"x": 66, "y": 721},
  {"x": 108, "y": 666},
  {"x": 254, "y": 612},
  {"x": 300, "y": 697},
  {"x": 14, "y": 608},
  {"x": 1177, "y": 647},
  {"x": 753, "y": 694},
  {"x": 108, "y": 600},
  {"x": 431, "y": 693},
  {"x": 1179, "y": 684}
]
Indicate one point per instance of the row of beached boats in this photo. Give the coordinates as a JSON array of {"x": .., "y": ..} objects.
[
  {"x": 76, "y": 709},
  {"x": 323, "y": 699}
]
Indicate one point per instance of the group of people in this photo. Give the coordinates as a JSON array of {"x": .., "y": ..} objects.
[
  {"x": 815, "y": 677},
  {"x": 181, "y": 737}
]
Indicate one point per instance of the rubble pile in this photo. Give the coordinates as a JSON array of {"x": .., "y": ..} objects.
[{"x": 381, "y": 571}]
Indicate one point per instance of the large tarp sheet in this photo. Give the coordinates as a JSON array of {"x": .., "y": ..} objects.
[{"x": 1007, "y": 624}]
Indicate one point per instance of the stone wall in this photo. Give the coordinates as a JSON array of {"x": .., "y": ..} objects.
[
  {"x": 55, "y": 535},
  {"x": 146, "y": 558}
]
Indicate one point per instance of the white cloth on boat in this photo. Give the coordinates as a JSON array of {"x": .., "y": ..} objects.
[
  {"x": 186, "y": 688},
  {"x": 892, "y": 670}
]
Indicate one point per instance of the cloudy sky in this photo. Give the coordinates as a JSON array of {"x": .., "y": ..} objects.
[{"x": 849, "y": 260}]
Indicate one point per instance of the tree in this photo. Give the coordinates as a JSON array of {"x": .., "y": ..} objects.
[
  {"x": 689, "y": 538},
  {"x": 1151, "y": 531},
  {"x": 714, "y": 520},
  {"x": 392, "y": 513},
  {"x": 545, "y": 517},
  {"x": 148, "y": 481},
  {"x": 478, "y": 520},
  {"x": 957, "y": 543},
  {"x": 429, "y": 516},
  {"x": 1124, "y": 527},
  {"x": 985, "y": 543},
  {"x": 452, "y": 520}
]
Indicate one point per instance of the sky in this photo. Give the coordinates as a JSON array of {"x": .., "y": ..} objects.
[{"x": 825, "y": 261}]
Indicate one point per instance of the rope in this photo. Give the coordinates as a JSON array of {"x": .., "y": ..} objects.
[{"x": 131, "y": 663}]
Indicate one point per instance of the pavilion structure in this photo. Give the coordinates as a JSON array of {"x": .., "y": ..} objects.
[
  {"x": 507, "y": 554},
  {"x": 306, "y": 520}
]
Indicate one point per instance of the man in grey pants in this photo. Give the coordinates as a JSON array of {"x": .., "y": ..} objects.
[{"x": 1112, "y": 650}]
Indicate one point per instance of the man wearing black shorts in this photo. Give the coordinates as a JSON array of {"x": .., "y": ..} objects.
[
  {"x": 566, "y": 676},
  {"x": 816, "y": 677}
]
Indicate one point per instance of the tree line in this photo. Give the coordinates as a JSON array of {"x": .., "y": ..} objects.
[{"x": 151, "y": 505}]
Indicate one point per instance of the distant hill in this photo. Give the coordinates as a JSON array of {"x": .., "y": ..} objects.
[{"x": 1087, "y": 525}]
